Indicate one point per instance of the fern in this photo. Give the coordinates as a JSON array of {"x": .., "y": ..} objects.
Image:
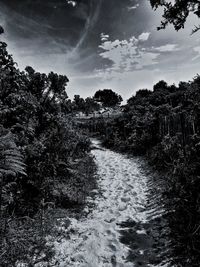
[{"x": 11, "y": 160}]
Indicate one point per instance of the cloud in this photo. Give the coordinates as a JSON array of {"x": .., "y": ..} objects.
[
  {"x": 133, "y": 7},
  {"x": 167, "y": 48},
  {"x": 127, "y": 55},
  {"x": 119, "y": 52},
  {"x": 72, "y": 3},
  {"x": 104, "y": 37},
  {"x": 133, "y": 55},
  {"x": 144, "y": 36},
  {"x": 197, "y": 50}
]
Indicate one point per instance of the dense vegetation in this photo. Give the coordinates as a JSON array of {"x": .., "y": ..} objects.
[
  {"x": 43, "y": 160},
  {"x": 164, "y": 124}
]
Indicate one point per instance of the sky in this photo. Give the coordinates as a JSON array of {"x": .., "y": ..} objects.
[{"x": 99, "y": 44}]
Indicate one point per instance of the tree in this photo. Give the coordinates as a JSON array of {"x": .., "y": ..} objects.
[
  {"x": 108, "y": 98},
  {"x": 91, "y": 105},
  {"x": 78, "y": 103},
  {"x": 176, "y": 12},
  {"x": 143, "y": 93},
  {"x": 160, "y": 86}
]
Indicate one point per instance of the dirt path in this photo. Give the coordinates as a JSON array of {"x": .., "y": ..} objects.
[{"x": 121, "y": 230}]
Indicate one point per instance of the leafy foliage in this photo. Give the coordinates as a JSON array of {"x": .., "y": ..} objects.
[
  {"x": 176, "y": 12},
  {"x": 43, "y": 158},
  {"x": 88, "y": 105},
  {"x": 108, "y": 98}
]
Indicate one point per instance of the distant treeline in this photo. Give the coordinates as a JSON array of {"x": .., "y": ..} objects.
[{"x": 164, "y": 125}]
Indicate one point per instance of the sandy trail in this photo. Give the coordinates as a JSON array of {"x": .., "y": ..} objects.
[{"x": 96, "y": 239}]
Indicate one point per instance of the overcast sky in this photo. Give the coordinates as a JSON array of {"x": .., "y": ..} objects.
[{"x": 99, "y": 43}]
